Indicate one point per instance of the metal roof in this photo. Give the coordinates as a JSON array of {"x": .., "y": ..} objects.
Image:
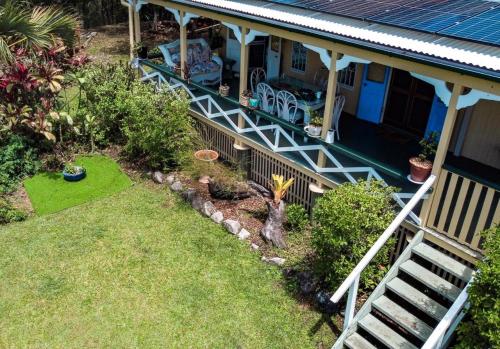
[{"x": 462, "y": 55}]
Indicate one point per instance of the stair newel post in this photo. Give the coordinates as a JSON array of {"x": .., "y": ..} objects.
[{"x": 351, "y": 302}]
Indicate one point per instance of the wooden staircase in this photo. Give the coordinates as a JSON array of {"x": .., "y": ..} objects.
[{"x": 408, "y": 304}]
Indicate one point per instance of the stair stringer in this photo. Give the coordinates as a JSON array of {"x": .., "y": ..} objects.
[{"x": 379, "y": 290}]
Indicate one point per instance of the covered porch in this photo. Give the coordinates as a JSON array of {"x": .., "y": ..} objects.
[{"x": 369, "y": 141}]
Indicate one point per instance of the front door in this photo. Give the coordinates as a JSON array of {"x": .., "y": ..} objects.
[
  {"x": 273, "y": 57},
  {"x": 409, "y": 103},
  {"x": 372, "y": 94}
]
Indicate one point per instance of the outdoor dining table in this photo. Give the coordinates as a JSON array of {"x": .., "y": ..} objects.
[{"x": 304, "y": 91}]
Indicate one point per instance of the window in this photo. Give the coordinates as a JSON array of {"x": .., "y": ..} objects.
[
  {"x": 299, "y": 57},
  {"x": 346, "y": 76}
]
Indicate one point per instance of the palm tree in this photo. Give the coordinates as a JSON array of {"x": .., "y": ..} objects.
[{"x": 38, "y": 27}]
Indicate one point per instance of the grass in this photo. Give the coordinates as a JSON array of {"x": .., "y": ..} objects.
[
  {"x": 141, "y": 269},
  {"x": 50, "y": 193}
]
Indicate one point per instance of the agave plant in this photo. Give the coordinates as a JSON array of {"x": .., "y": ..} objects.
[
  {"x": 280, "y": 187},
  {"x": 35, "y": 28}
]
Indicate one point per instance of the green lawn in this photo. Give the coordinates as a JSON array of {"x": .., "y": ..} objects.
[
  {"x": 141, "y": 269},
  {"x": 49, "y": 192}
]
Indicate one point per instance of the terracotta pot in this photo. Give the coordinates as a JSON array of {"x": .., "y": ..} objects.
[
  {"x": 244, "y": 101},
  {"x": 420, "y": 170},
  {"x": 224, "y": 90}
]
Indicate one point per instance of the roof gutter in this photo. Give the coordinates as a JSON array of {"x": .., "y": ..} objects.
[{"x": 415, "y": 57}]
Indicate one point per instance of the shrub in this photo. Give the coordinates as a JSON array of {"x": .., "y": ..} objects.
[
  {"x": 297, "y": 218},
  {"x": 157, "y": 127},
  {"x": 10, "y": 214},
  {"x": 346, "y": 223},
  {"x": 482, "y": 329},
  {"x": 107, "y": 90},
  {"x": 17, "y": 160}
]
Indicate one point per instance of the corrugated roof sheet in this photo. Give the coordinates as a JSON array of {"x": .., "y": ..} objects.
[{"x": 477, "y": 55}]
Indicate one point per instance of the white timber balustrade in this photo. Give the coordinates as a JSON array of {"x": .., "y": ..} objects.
[
  {"x": 443, "y": 331},
  {"x": 351, "y": 283},
  {"x": 241, "y": 123}
]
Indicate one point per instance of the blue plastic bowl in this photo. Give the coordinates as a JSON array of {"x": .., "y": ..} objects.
[{"x": 75, "y": 177}]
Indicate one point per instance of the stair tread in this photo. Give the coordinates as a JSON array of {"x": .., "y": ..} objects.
[
  {"x": 356, "y": 341},
  {"x": 384, "y": 333},
  {"x": 431, "y": 280},
  {"x": 443, "y": 261},
  {"x": 417, "y": 298},
  {"x": 403, "y": 318}
]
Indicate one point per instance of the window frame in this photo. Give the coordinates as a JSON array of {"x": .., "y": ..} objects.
[{"x": 297, "y": 62}]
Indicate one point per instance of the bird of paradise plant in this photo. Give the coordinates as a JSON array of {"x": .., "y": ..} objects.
[{"x": 280, "y": 187}]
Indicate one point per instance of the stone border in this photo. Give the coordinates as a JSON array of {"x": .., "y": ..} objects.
[{"x": 208, "y": 209}]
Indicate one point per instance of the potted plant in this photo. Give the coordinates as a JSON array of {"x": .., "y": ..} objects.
[
  {"x": 224, "y": 90},
  {"x": 315, "y": 125},
  {"x": 421, "y": 165},
  {"x": 141, "y": 50},
  {"x": 73, "y": 173},
  {"x": 245, "y": 98}
]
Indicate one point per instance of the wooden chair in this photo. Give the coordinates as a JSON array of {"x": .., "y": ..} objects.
[
  {"x": 257, "y": 75},
  {"x": 267, "y": 98}
]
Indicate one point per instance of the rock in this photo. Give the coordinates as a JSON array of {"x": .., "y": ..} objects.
[
  {"x": 217, "y": 217},
  {"x": 176, "y": 186},
  {"x": 197, "y": 202},
  {"x": 274, "y": 260},
  {"x": 158, "y": 177},
  {"x": 254, "y": 247},
  {"x": 170, "y": 179},
  {"x": 243, "y": 234},
  {"x": 232, "y": 226},
  {"x": 188, "y": 194},
  {"x": 208, "y": 209}
]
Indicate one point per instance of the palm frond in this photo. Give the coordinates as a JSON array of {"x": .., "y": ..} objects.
[{"x": 53, "y": 21}]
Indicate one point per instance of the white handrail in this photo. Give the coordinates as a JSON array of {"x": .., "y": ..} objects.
[
  {"x": 407, "y": 209},
  {"x": 435, "y": 340}
]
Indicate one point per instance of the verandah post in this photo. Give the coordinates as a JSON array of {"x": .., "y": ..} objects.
[
  {"x": 137, "y": 24},
  {"x": 183, "y": 42},
  {"x": 327, "y": 115},
  {"x": 243, "y": 78},
  {"x": 131, "y": 28},
  {"x": 442, "y": 149}
]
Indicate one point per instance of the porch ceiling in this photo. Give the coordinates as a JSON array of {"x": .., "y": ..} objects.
[{"x": 432, "y": 50}]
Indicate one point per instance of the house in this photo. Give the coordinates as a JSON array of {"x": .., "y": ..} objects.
[{"x": 403, "y": 70}]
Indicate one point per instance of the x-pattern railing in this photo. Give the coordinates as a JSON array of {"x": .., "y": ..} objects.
[{"x": 212, "y": 110}]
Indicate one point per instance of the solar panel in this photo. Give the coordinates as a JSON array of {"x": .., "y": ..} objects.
[
  {"x": 476, "y": 20},
  {"x": 482, "y": 28}
]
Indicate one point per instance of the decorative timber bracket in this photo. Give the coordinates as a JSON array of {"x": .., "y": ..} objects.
[
  {"x": 464, "y": 101},
  {"x": 326, "y": 58},
  {"x": 251, "y": 35}
]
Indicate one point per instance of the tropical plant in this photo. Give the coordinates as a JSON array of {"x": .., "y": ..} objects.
[
  {"x": 346, "y": 223},
  {"x": 280, "y": 187},
  {"x": 428, "y": 146},
  {"x": 72, "y": 169},
  {"x": 481, "y": 329},
  {"x": 33, "y": 29}
]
